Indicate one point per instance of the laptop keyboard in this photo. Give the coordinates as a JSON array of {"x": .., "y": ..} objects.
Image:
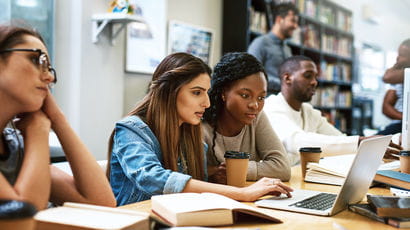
[{"x": 321, "y": 201}]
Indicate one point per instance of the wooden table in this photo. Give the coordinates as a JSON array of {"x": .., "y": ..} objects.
[{"x": 291, "y": 220}]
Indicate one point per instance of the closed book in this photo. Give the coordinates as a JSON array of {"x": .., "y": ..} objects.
[
  {"x": 399, "y": 222},
  {"x": 366, "y": 210},
  {"x": 390, "y": 206},
  {"x": 75, "y": 216},
  {"x": 204, "y": 209},
  {"x": 393, "y": 178}
]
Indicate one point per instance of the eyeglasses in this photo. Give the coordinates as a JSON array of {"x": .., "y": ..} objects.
[{"x": 42, "y": 62}]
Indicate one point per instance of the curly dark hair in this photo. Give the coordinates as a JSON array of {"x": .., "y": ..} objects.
[{"x": 231, "y": 68}]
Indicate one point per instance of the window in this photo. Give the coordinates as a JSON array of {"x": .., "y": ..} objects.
[{"x": 38, "y": 14}]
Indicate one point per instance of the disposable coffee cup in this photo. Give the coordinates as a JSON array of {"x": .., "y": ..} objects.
[
  {"x": 236, "y": 167},
  {"x": 16, "y": 214},
  {"x": 308, "y": 154},
  {"x": 405, "y": 161}
]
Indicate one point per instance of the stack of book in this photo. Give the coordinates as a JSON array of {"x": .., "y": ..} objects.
[
  {"x": 333, "y": 170},
  {"x": 391, "y": 210}
]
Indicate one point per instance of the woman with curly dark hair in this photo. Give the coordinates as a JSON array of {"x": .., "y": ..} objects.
[{"x": 235, "y": 121}]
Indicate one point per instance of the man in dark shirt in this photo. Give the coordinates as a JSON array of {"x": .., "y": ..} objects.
[{"x": 270, "y": 48}]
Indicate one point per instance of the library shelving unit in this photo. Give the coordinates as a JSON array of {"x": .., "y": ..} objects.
[
  {"x": 244, "y": 20},
  {"x": 324, "y": 34}
]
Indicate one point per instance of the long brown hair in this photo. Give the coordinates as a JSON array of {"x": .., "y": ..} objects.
[
  {"x": 158, "y": 109},
  {"x": 11, "y": 36}
]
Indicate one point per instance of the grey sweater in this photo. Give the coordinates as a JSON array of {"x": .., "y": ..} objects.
[{"x": 268, "y": 156}]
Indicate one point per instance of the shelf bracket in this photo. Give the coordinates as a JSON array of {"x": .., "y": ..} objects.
[{"x": 101, "y": 21}]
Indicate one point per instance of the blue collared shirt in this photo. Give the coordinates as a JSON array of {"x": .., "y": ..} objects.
[
  {"x": 271, "y": 52},
  {"x": 136, "y": 170}
]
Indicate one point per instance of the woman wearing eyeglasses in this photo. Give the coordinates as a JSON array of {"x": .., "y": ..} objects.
[{"x": 28, "y": 112}]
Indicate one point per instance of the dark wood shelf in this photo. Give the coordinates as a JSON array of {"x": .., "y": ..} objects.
[
  {"x": 326, "y": 55},
  {"x": 333, "y": 108},
  {"x": 325, "y": 26},
  {"x": 327, "y": 82}
]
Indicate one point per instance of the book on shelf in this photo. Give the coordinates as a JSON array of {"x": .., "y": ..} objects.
[
  {"x": 311, "y": 36},
  {"x": 366, "y": 210},
  {"x": 327, "y": 15},
  {"x": 310, "y": 8},
  {"x": 333, "y": 169},
  {"x": 257, "y": 21},
  {"x": 344, "y": 21},
  {"x": 393, "y": 178},
  {"x": 204, "y": 209},
  {"x": 390, "y": 206},
  {"x": 76, "y": 216}
]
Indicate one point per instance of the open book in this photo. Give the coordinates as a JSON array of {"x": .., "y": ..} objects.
[
  {"x": 78, "y": 216},
  {"x": 203, "y": 209},
  {"x": 333, "y": 170}
]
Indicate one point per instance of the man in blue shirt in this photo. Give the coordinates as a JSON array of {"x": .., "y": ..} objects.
[{"x": 270, "y": 48}]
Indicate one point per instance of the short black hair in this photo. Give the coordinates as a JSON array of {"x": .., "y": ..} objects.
[
  {"x": 406, "y": 43},
  {"x": 283, "y": 9},
  {"x": 292, "y": 64}
]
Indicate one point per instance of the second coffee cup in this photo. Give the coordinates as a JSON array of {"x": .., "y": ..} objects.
[
  {"x": 308, "y": 154},
  {"x": 405, "y": 161},
  {"x": 236, "y": 167}
]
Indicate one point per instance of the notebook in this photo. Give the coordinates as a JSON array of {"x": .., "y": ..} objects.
[{"x": 357, "y": 182}]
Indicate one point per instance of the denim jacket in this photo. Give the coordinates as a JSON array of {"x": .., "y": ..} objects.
[{"x": 136, "y": 164}]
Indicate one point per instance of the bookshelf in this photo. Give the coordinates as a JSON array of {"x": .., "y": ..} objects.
[{"x": 324, "y": 34}]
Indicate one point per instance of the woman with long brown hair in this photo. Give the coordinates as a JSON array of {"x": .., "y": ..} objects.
[{"x": 158, "y": 147}]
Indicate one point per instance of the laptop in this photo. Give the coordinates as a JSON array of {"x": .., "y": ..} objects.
[{"x": 358, "y": 180}]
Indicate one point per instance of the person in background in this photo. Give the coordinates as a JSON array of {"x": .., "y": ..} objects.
[
  {"x": 393, "y": 109},
  {"x": 395, "y": 74},
  {"x": 235, "y": 121},
  {"x": 271, "y": 49},
  {"x": 393, "y": 99},
  {"x": 296, "y": 122},
  {"x": 158, "y": 149},
  {"x": 28, "y": 112}
]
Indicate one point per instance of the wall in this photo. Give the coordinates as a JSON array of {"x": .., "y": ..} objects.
[
  {"x": 203, "y": 13},
  {"x": 392, "y": 27},
  {"x": 93, "y": 89},
  {"x": 91, "y": 82}
]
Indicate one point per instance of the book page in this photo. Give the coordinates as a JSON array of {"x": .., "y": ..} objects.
[
  {"x": 191, "y": 202},
  {"x": 340, "y": 165},
  {"x": 88, "y": 218}
]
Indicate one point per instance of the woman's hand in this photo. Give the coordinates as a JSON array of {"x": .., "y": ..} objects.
[
  {"x": 265, "y": 186},
  {"x": 217, "y": 174},
  {"x": 33, "y": 122},
  {"x": 51, "y": 109},
  {"x": 392, "y": 151}
]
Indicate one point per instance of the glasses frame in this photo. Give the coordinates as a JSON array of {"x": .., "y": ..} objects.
[{"x": 41, "y": 56}]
